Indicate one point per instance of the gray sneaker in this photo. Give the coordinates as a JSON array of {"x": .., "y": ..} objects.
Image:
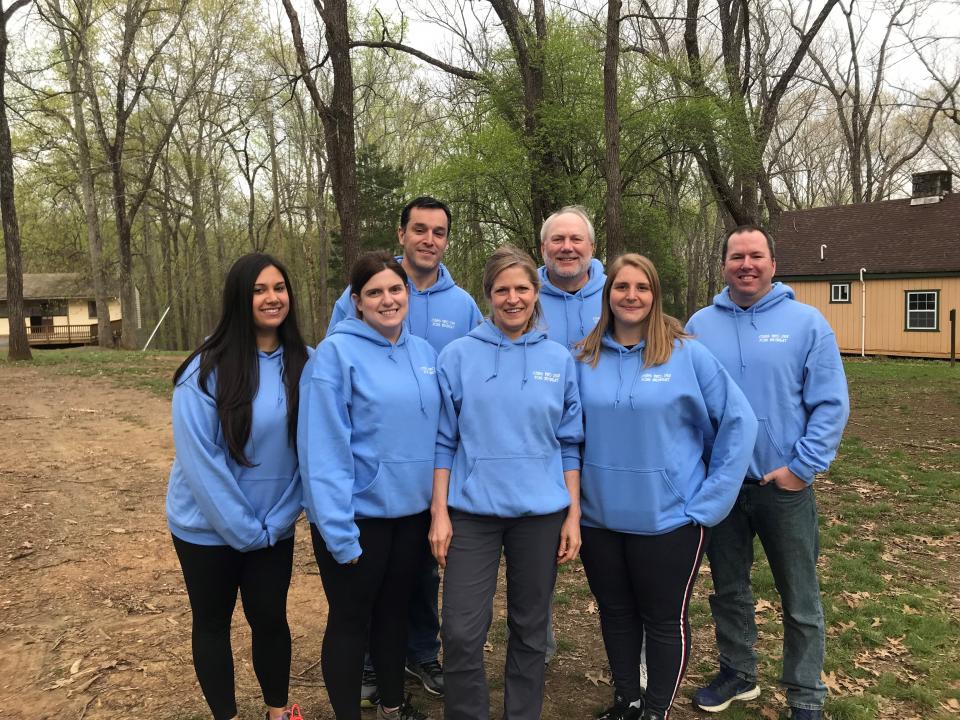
[
  {"x": 406, "y": 711},
  {"x": 369, "y": 694},
  {"x": 430, "y": 674}
]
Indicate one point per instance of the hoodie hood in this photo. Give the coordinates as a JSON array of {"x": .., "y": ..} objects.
[
  {"x": 778, "y": 293},
  {"x": 595, "y": 280},
  {"x": 569, "y": 317},
  {"x": 490, "y": 333},
  {"x": 439, "y": 314}
]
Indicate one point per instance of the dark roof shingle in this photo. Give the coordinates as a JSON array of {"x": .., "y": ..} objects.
[
  {"x": 54, "y": 286},
  {"x": 883, "y": 237}
]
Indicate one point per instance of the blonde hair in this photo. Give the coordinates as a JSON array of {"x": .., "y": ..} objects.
[
  {"x": 661, "y": 329},
  {"x": 508, "y": 256}
]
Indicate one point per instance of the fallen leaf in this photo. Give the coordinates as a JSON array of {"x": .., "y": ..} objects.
[{"x": 75, "y": 668}]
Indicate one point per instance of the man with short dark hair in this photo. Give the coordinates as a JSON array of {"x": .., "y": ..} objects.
[
  {"x": 439, "y": 312},
  {"x": 784, "y": 356}
]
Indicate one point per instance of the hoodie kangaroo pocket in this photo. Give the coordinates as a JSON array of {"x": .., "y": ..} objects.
[
  {"x": 401, "y": 487},
  {"x": 769, "y": 451},
  {"x": 508, "y": 486},
  {"x": 630, "y": 500}
]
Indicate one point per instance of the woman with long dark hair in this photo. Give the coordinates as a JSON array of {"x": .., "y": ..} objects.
[
  {"x": 506, "y": 480},
  {"x": 668, "y": 436},
  {"x": 234, "y": 493},
  {"x": 368, "y": 427}
]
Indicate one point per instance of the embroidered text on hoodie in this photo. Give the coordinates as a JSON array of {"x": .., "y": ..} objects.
[
  {"x": 441, "y": 313},
  {"x": 366, "y": 432},
  {"x": 510, "y": 424},
  {"x": 784, "y": 356},
  {"x": 569, "y": 317},
  {"x": 665, "y": 445},
  {"x": 212, "y": 499}
]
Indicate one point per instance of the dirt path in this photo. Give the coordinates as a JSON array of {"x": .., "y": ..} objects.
[{"x": 94, "y": 619}]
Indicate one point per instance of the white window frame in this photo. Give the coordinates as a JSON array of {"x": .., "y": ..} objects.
[
  {"x": 840, "y": 292},
  {"x": 910, "y": 314}
]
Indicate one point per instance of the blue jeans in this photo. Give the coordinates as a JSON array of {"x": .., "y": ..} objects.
[{"x": 786, "y": 523}]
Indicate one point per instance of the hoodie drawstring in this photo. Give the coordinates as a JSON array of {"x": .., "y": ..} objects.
[
  {"x": 496, "y": 360},
  {"x": 523, "y": 376},
  {"x": 616, "y": 401},
  {"x": 736, "y": 324},
  {"x": 636, "y": 376},
  {"x": 416, "y": 378}
]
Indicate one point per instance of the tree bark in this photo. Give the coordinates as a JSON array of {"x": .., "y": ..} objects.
[
  {"x": 336, "y": 117},
  {"x": 611, "y": 131},
  {"x": 19, "y": 347}
]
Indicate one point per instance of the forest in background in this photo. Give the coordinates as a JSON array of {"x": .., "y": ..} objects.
[{"x": 154, "y": 141}]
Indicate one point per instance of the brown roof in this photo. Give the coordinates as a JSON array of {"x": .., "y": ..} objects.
[
  {"x": 883, "y": 237},
  {"x": 54, "y": 286}
]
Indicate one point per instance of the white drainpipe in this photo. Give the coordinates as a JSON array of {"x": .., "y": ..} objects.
[{"x": 863, "y": 314}]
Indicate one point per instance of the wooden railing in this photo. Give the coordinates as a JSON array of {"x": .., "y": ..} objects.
[{"x": 62, "y": 334}]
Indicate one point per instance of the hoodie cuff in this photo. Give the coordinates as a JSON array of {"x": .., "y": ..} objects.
[
  {"x": 802, "y": 470},
  {"x": 347, "y": 553},
  {"x": 571, "y": 463},
  {"x": 259, "y": 544},
  {"x": 443, "y": 459}
]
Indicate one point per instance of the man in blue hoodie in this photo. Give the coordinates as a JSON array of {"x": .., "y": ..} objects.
[
  {"x": 784, "y": 356},
  {"x": 439, "y": 312},
  {"x": 571, "y": 279}
]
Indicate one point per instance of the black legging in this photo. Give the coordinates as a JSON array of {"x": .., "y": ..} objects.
[
  {"x": 213, "y": 574},
  {"x": 643, "y": 583},
  {"x": 374, "y": 594}
]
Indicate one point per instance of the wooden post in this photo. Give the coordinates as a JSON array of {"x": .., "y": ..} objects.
[{"x": 953, "y": 336}]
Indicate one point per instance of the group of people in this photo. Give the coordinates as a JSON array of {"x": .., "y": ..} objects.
[{"x": 576, "y": 418}]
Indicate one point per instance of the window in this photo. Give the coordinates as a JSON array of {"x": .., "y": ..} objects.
[
  {"x": 91, "y": 309},
  {"x": 921, "y": 310},
  {"x": 839, "y": 292}
]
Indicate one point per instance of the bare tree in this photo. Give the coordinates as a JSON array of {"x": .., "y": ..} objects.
[
  {"x": 72, "y": 36},
  {"x": 611, "y": 130},
  {"x": 131, "y": 81},
  {"x": 19, "y": 348},
  {"x": 336, "y": 116}
]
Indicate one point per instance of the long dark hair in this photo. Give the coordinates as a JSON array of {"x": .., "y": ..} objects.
[{"x": 231, "y": 350}]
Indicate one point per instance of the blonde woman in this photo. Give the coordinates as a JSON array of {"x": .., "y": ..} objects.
[
  {"x": 506, "y": 479},
  {"x": 668, "y": 436}
]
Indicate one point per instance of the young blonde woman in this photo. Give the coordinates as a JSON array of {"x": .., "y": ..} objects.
[
  {"x": 506, "y": 480},
  {"x": 668, "y": 437}
]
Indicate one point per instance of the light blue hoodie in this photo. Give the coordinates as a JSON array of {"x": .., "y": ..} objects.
[
  {"x": 510, "y": 424},
  {"x": 784, "y": 357},
  {"x": 569, "y": 317},
  {"x": 211, "y": 498},
  {"x": 366, "y": 432},
  {"x": 665, "y": 445},
  {"x": 441, "y": 313}
]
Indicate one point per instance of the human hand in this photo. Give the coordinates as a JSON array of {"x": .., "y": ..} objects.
[
  {"x": 440, "y": 535},
  {"x": 784, "y": 479},
  {"x": 569, "y": 540},
  {"x": 353, "y": 562}
]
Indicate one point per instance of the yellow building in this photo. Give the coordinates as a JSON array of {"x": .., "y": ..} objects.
[
  {"x": 59, "y": 309},
  {"x": 886, "y": 275}
]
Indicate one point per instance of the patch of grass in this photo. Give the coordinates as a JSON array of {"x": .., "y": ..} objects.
[{"x": 151, "y": 370}]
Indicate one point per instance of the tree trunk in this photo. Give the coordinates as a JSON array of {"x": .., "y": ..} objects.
[
  {"x": 71, "y": 56},
  {"x": 19, "y": 348},
  {"x": 611, "y": 131}
]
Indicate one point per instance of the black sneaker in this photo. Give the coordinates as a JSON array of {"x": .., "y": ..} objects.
[
  {"x": 369, "y": 695},
  {"x": 406, "y": 711},
  {"x": 429, "y": 673},
  {"x": 726, "y": 687},
  {"x": 620, "y": 710}
]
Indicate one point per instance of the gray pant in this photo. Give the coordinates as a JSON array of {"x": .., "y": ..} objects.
[{"x": 529, "y": 545}]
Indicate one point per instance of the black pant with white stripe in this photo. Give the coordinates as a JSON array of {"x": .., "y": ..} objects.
[{"x": 643, "y": 583}]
